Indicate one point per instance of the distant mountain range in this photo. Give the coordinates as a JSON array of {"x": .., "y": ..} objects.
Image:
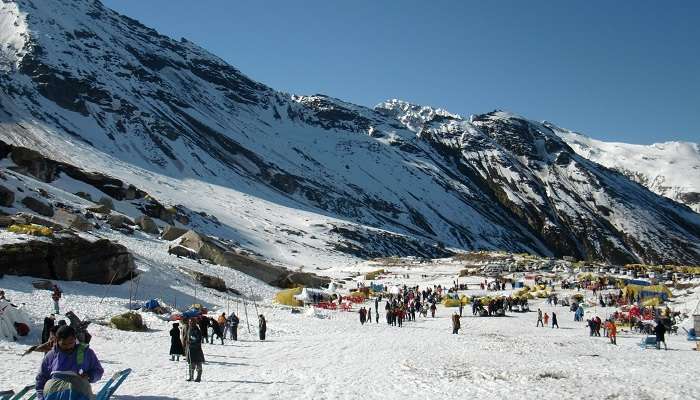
[{"x": 313, "y": 180}]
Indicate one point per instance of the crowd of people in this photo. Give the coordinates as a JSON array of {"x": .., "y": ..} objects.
[
  {"x": 187, "y": 339},
  {"x": 69, "y": 365}
]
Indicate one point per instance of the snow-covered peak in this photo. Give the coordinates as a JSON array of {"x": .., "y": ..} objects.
[
  {"x": 413, "y": 116},
  {"x": 13, "y": 35},
  {"x": 671, "y": 169}
]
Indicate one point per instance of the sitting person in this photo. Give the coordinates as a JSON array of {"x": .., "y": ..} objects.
[{"x": 68, "y": 369}]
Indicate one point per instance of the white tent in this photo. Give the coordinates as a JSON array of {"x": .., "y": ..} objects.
[
  {"x": 307, "y": 294},
  {"x": 10, "y": 314}
]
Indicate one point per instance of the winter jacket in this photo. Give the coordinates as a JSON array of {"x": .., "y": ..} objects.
[
  {"x": 80, "y": 358},
  {"x": 660, "y": 331},
  {"x": 175, "y": 343},
  {"x": 194, "y": 346}
]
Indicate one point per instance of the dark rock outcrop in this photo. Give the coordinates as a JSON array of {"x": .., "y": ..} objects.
[
  {"x": 38, "y": 206},
  {"x": 219, "y": 253},
  {"x": 7, "y": 197},
  {"x": 68, "y": 257}
]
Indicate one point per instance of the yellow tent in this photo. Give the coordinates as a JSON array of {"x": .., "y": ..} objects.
[
  {"x": 660, "y": 291},
  {"x": 286, "y": 297}
]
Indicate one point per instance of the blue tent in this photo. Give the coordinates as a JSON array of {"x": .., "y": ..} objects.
[{"x": 151, "y": 304}]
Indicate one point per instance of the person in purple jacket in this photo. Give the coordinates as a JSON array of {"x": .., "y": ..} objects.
[{"x": 68, "y": 369}]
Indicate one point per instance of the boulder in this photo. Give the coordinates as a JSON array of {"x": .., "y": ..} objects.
[
  {"x": 131, "y": 193},
  {"x": 212, "y": 282},
  {"x": 305, "y": 279},
  {"x": 182, "y": 251},
  {"x": 219, "y": 253},
  {"x": 31, "y": 162},
  {"x": 208, "y": 281},
  {"x": 118, "y": 221},
  {"x": 43, "y": 284},
  {"x": 154, "y": 209},
  {"x": 38, "y": 206},
  {"x": 172, "y": 232},
  {"x": 99, "y": 209},
  {"x": 7, "y": 197},
  {"x": 107, "y": 202},
  {"x": 23, "y": 219},
  {"x": 72, "y": 220},
  {"x": 6, "y": 220},
  {"x": 129, "y": 321},
  {"x": 84, "y": 195},
  {"x": 147, "y": 225},
  {"x": 68, "y": 257}
]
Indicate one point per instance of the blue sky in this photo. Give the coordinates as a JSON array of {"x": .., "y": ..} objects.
[{"x": 615, "y": 70}]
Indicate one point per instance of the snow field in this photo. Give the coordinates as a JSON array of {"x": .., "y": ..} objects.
[{"x": 334, "y": 357}]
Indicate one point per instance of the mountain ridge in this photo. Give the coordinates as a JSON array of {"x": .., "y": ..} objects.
[{"x": 107, "y": 93}]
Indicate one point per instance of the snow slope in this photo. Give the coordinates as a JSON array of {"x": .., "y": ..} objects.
[{"x": 671, "y": 169}]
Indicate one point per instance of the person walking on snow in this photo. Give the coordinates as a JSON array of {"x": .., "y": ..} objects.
[
  {"x": 369, "y": 315},
  {"x": 455, "y": 324},
  {"x": 546, "y": 320},
  {"x": 539, "y": 318},
  {"x": 660, "y": 331},
  {"x": 262, "y": 326},
  {"x": 612, "y": 331},
  {"x": 554, "y": 320},
  {"x": 363, "y": 315},
  {"x": 56, "y": 296},
  {"x": 195, "y": 355},
  {"x": 233, "y": 322},
  {"x": 176, "y": 349},
  {"x": 433, "y": 308},
  {"x": 204, "y": 328}
]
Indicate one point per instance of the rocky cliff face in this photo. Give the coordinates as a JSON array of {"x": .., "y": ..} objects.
[{"x": 297, "y": 178}]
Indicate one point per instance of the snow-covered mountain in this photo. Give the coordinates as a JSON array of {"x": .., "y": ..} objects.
[
  {"x": 311, "y": 180},
  {"x": 671, "y": 169}
]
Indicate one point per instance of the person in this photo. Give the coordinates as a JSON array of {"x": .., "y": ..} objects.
[
  {"x": 363, "y": 315},
  {"x": 216, "y": 329},
  {"x": 68, "y": 369},
  {"x": 461, "y": 306},
  {"x": 176, "y": 349},
  {"x": 233, "y": 321},
  {"x": 546, "y": 320},
  {"x": 539, "y": 318},
  {"x": 660, "y": 331},
  {"x": 554, "y": 320},
  {"x": 204, "y": 328},
  {"x": 369, "y": 315},
  {"x": 2, "y": 295},
  {"x": 612, "y": 331},
  {"x": 455, "y": 324},
  {"x": 262, "y": 326},
  {"x": 195, "y": 355},
  {"x": 433, "y": 308},
  {"x": 56, "y": 296},
  {"x": 49, "y": 323},
  {"x": 222, "y": 323}
]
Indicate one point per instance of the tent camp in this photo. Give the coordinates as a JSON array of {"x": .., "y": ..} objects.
[{"x": 9, "y": 316}]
